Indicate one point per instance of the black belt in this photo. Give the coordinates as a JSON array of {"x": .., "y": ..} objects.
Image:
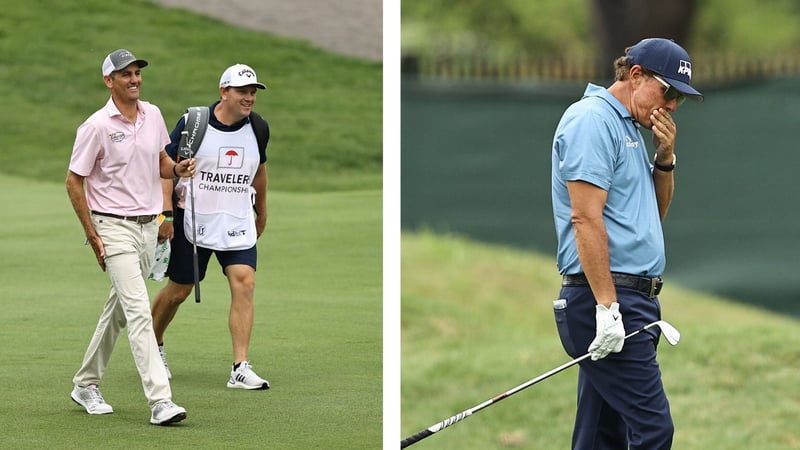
[
  {"x": 650, "y": 286},
  {"x": 138, "y": 219}
]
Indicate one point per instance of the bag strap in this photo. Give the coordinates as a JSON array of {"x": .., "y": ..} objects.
[
  {"x": 193, "y": 132},
  {"x": 260, "y": 129},
  {"x": 197, "y": 123}
]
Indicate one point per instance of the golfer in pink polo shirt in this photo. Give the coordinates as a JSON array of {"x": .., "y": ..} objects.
[{"x": 114, "y": 185}]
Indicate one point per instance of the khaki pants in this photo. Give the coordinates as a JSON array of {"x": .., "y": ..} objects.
[{"x": 129, "y": 252}]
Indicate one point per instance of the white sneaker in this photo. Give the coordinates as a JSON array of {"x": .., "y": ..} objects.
[
  {"x": 245, "y": 378},
  {"x": 91, "y": 399},
  {"x": 165, "y": 412},
  {"x": 164, "y": 360}
]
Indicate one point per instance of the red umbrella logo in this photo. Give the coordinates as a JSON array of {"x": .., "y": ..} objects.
[{"x": 230, "y": 154}]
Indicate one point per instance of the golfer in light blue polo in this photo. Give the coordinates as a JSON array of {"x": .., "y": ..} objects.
[{"x": 610, "y": 194}]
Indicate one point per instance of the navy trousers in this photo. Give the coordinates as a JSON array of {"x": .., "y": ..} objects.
[{"x": 621, "y": 400}]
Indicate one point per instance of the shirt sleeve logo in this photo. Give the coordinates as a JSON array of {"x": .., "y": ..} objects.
[{"x": 230, "y": 158}]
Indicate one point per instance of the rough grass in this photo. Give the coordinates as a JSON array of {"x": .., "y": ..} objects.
[{"x": 477, "y": 320}]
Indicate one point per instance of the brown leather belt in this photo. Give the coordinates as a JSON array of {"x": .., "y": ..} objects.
[
  {"x": 649, "y": 286},
  {"x": 138, "y": 219}
]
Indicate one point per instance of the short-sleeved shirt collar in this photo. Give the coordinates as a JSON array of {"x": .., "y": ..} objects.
[
  {"x": 593, "y": 90},
  {"x": 112, "y": 109}
]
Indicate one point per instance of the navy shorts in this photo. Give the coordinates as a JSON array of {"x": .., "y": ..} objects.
[{"x": 181, "y": 269}]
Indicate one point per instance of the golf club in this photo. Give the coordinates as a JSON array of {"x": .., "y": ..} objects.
[
  {"x": 670, "y": 333},
  {"x": 184, "y": 135}
]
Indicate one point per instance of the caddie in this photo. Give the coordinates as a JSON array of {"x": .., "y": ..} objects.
[{"x": 230, "y": 198}]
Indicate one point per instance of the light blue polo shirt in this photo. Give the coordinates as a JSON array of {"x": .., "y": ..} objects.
[{"x": 598, "y": 141}]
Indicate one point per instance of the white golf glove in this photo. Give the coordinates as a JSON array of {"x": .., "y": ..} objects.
[{"x": 610, "y": 332}]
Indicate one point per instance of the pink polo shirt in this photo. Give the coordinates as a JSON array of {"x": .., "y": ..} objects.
[{"x": 120, "y": 160}]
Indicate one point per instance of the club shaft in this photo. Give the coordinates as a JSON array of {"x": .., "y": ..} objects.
[
  {"x": 196, "y": 276},
  {"x": 464, "y": 414},
  {"x": 195, "y": 264}
]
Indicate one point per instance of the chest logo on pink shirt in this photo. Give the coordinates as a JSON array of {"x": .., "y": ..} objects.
[
  {"x": 230, "y": 158},
  {"x": 117, "y": 137}
]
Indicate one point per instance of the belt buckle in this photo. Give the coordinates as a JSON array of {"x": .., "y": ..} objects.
[
  {"x": 655, "y": 286},
  {"x": 141, "y": 220}
]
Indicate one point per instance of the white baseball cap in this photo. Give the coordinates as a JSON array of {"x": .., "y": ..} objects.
[
  {"x": 120, "y": 59},
  {"x": 239, "y": 75}
]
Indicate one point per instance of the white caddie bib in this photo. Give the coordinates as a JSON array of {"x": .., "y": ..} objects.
[{"x": 225, "y": 165}]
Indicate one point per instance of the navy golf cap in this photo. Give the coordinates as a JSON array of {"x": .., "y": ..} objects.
[{"x": 668, "y": 59}]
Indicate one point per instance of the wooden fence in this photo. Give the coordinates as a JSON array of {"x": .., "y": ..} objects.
[{"x": 708, "y": 68}]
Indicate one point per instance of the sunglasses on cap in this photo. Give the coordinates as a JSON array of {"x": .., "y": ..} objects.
[{"x": 670, "y": 92}]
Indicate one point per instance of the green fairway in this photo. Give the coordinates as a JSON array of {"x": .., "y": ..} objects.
[
  {"x": 477, "y": 320},
  {"x": 318, "y": 328},
  {"x": 317, "y": 335}
]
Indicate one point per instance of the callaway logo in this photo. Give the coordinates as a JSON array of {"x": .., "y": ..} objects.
[
  {"x": 117, "y": 137},
  {"x": 247, "y": 72},
  {"x": 614, "y": 317},
  {"x": 685, "y": 68},
  {"x": 630, "y": 143}
]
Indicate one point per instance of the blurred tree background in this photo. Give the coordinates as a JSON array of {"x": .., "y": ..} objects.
[{"x": 514, "y": 38}]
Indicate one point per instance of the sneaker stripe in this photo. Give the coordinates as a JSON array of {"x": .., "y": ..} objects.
[{"x": 243, "y": 377}]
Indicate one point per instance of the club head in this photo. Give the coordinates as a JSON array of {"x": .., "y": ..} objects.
[{"x": 670, "y": 333}]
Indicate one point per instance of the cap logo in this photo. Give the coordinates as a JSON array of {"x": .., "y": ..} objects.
[
  {"x": 685, "y": 68},
  {"x": 247, "y": 72}
]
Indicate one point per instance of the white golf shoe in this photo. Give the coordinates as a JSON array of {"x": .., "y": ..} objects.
[
  {"x": 91, "y": 399},
  {"x": 165, "y": 412},
  {"x": 245, "y": 378}
]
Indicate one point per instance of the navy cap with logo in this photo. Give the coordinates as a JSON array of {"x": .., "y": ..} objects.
[
  {"x": 120, "y": 59},
  {"x": 668, "y": 59}
]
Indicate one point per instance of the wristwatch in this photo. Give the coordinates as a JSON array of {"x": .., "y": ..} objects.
[{"x": 668, "y": 168}]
